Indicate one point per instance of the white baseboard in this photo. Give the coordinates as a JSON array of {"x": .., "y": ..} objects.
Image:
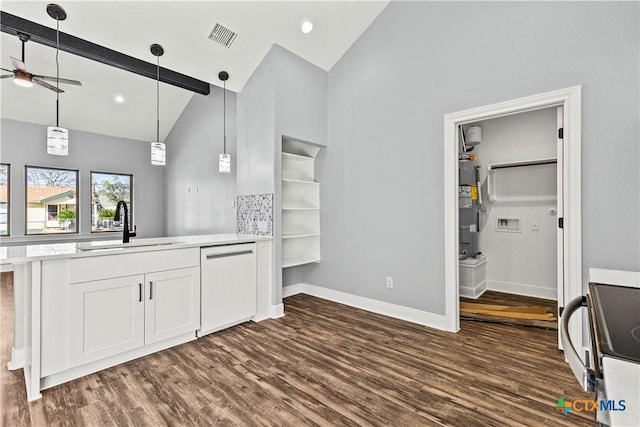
[
  {"x": 17, "y": 359},
  {"x": 275, "y": 311},
  {"x": 98, "y": 365},
  {"x": 408, "y": 314},
  {"x": 520, "y": 289},
  {"x": 290, "y": 290},
  {"x": 473, "y": 293}
]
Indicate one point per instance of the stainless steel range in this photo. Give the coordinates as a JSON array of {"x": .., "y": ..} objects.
[{"x": 614, "y": 371}]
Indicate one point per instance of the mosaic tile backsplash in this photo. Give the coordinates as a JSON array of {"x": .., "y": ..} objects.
[{"x": 255, "y": 214}]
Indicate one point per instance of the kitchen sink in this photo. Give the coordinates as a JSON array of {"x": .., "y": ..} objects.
[{"x": 116, "y": 244}]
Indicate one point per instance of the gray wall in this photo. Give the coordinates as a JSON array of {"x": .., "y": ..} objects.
[
  {"x": 257, "y": 130},
  {"x": 301, "y": 97},
  {"x": 382, "y": 179},
  {"x": 198, "y": 199},
  {"x": 286, "y": 95},
  {"x": 522, "y": 263},
  {"x": 25, "y": 144}
]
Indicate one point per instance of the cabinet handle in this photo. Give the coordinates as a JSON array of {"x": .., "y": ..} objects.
[
  {"x": 150, "y": 290},
  {"x": 212, "y": 256},
  {"x": 139, "y": 292}
]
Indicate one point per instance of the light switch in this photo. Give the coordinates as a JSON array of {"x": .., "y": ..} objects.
[{"x": 535, "y": 225}]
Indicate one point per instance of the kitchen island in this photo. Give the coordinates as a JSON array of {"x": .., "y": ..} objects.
[{"x": 83, "y": 307}]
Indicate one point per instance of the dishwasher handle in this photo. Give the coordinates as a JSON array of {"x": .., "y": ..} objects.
[
  {"x": 585, "y": 376},
  {"x": 228, "y": 254}
]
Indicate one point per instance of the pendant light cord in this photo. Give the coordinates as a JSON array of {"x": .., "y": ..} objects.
[
  {"x": 158, "y": 100},
  {"x": 224, "y": 116},
  {"x": 57, "y": 73}
]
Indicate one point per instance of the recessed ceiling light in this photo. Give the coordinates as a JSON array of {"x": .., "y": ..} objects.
[
  {"x": 307, "y": 27},
  {"x": 119, "y": 99}
]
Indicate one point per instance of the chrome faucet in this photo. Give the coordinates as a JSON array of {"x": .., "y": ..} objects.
[{"x": 126, "y": 232}]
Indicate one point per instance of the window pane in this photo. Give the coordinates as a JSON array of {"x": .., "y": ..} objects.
[
  {"x": 52, "y": 203},
  {"x": 107, "y": 189},
  {"x": 4, "y": 200}
]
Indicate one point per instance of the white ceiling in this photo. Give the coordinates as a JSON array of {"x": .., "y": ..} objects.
[{"x": 182, "y": 28}]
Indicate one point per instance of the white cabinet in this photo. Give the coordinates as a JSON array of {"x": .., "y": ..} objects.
[
  {"x": 112, "y": 316},
  {"x": 82, "y": 314},
  {"x": 229, "y": 286},
  {"x": 107, "y": 318},
  {"x": 300, "y": 204},
  {"x": 172, "y": 304}
]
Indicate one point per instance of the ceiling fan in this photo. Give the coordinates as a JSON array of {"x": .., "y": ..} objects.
[{"x": 22, "y": 77}]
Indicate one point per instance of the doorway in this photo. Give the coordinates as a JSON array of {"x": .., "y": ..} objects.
[
  {"x": 569, "y": 217},
  {"x": 508, "y": 204}
]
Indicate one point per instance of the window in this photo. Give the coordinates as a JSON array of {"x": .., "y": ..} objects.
[
  {"x": 107, "y": 189},
  {"x": 51, "y": 200},
  {"x": 4, "y": 200}
]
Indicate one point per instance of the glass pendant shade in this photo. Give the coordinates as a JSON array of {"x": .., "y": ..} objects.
[
  {"x": 57, "y": 141},
  {"x": 224, "y": 163},
  {"x": 158, "y": 154}
]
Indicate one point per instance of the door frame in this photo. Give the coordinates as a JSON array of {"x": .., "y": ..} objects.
[{"x": 568, "y": 98}]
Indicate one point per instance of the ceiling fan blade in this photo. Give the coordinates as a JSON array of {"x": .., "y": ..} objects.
[
  {"x": 61, "y": 80},
  {"x": 6, "y": 76},
  {"x": 47, "y": 85},
  {"x": 18, "y": 64}
]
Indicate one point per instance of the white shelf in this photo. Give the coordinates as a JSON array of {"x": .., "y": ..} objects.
[
  {"x": 296, "y": 167},
  {"x": 299, "y": 208},
  {"x": 300, "y": 181},
  {"x": 301, "y": 260},
  {"x": 492, "y": 168},
  {"x": 299, "y": 235},
  {"x": 300, "y": 204},
  {"x": 300, "y": 148},
  {"x": 534, "y": 162},
  {"x": 297, "y": 157}
]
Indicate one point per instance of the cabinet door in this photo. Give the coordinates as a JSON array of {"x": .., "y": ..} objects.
[
  {"x": 172, "y": 303},
  {"x": 229, "y": 286},
  {"x": 106, "y": 318}
]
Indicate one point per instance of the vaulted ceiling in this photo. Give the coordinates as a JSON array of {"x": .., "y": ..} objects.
[{"x": 182, "y": 28}]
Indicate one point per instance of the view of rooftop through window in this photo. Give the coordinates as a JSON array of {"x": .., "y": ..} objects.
[
  {"x": 51, "y": 200},
  {"x": 106, "y": 190}
]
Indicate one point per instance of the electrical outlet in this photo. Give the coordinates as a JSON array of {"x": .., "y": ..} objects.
[{"x": 389, "y": 282}]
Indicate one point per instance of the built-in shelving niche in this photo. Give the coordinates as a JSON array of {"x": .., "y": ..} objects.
[{"x": 300, "y": 204}]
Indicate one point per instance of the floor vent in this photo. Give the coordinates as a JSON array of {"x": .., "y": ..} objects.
[{"x": 223, "y": 36}]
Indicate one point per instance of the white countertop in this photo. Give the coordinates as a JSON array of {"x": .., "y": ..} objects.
[{"x": 27, "y": 253}]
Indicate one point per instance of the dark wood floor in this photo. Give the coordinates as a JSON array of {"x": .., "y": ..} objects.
[
  {"x": 322, "y": 364},
  {"x": 502, "y": 298}
]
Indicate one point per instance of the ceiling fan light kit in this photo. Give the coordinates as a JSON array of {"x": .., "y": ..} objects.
[
  {"x": 224, "y": 160},
  {"x": 22, "y": 79},
  {"x": 158, "y": 149}
]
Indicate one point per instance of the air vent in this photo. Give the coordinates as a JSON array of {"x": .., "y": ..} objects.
[{"x": 223, "y": 36}]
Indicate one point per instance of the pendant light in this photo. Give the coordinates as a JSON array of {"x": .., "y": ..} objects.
[
  {"x": 158, "y": 149},
  {"x": 57, "y": 137},
  {"x": 224, "y": 161}
]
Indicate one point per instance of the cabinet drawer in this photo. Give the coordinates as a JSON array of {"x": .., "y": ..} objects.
[{"x": 128, "y": 264}]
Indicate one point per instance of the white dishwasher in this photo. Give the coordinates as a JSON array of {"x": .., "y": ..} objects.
[{"x": 229, "y": 293}]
